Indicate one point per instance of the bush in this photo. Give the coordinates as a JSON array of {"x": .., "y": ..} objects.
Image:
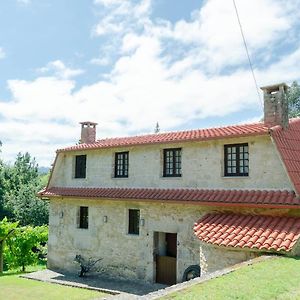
[{"x": 26, "y": 247}]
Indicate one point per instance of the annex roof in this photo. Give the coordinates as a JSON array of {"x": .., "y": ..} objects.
[
  {"x": 178, "y": 136},
  {"x": 288, "y": 144},
  {"x": 246, "y": 198},
  {"x": 246, "y": 231}
]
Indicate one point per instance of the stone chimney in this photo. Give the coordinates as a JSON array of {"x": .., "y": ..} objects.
[
  {"x": 88, "y": 132},
  {"x": 276, "y": 108}
]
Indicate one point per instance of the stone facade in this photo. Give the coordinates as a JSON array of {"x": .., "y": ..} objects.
[
  {"x": 132, "y": 256},
  {"x": 129, "y": 256},
  {"x": 124, "y": 255},
  {"x": 202, "y": 167}
]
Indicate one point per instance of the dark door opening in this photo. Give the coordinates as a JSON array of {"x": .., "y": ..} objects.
[{"x": 165, "y": 247}]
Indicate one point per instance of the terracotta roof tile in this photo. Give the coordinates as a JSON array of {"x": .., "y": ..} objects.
[
  {"x": 288, "y": 144},
  {"x": 257, "y": 232},
  {"x": 245, "y": 198},
  {"x": 179, "y": 136}
]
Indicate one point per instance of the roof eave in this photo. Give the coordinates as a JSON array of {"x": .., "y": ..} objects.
[{"x": 191, "y": 202}]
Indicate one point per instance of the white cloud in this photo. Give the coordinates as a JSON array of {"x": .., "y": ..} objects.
[
  {"x": 104, "y": 61},
  {"x": 150, "y": 83},
  {"x": 24, "y": 2},
  {"x": 122, "y": 16},
  {"x": 60, "y": 70},
  {"x": 2, "y": 53}
]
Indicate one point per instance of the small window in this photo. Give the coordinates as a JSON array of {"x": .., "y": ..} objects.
[
  {"x": 121, "y": 164},
  {"x": 236, "y": 160},
  {"x": 172, "y": 162},
  {"x": 134, "y": 221},
  {"x": 80, "y": 166},
  {"x": 83, "y": 217}
]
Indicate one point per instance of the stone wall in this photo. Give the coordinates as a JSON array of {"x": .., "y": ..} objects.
[
  {"x": 202, "y": 167},
  {"x": 213, "y": 258},
  {"x": 124, "y": 255},
  {"x": 129, "y": 256}
]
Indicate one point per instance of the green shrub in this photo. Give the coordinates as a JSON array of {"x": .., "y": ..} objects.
[{"x": 26, "y": 247}]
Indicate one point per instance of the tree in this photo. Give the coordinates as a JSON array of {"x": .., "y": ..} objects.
[
  {"x": 293, "y": 96},
  {"x": 26, "y": 207},
  {"x": 6, "y": 231},
  {"x": 26, "y": 246},
  {"x": 21, "y": 183}
]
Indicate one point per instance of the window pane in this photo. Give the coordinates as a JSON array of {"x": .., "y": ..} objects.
[
  {"x": 80, "y": 166},
  {"x": 121, "y": 164},
  {"x": 236, "y": 162},
  {"x": 172, "y": 162},
  {"x": 134, "y": 221},
  {"x": 83, "y": 217}
]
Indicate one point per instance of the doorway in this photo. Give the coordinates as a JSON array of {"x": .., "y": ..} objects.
[{"x": 165, "y": 256}]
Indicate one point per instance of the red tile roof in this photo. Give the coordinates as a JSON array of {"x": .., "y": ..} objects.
[
  {"x": 173, "y": 137},
  {"x": 247, "y": 198},
  {"x": 246, "y": 231},
  {"x": 288, "y": 145}
]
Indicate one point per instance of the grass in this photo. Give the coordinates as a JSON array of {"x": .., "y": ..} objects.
[
  {"x": 271, "y": 279},
  {"x": 12, "y": 287}
]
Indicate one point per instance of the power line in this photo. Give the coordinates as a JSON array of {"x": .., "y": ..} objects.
[{"x": 248, "y": 55}]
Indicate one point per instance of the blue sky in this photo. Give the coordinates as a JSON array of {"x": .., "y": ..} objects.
[{"x": 128, "y": 64}]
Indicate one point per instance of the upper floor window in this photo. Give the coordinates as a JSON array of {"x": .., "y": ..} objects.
[
  {"x": 83, "y": 217},
  {"x": 121, "y": 164},
  {"x": 236, "y": 160},
  {"x": 134, "y": 221},
  {"x": 80, "y": 166},
  {"x": 172, "y": 162}
]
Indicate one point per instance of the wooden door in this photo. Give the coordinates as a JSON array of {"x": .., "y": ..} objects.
[{"x": 166, "y": 260}]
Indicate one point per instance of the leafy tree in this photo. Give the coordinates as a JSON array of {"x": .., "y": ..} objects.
[
  {"x": 26, "y": 207},
  {"x": 21, "y": 182},
  {"x": 26, "y": 246},
  {"x": 6, "y": 231},
  {"x": 293, "y": 96}
]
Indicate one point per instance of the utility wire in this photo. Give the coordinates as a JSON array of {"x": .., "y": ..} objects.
[{"x": 248, "y": 55}]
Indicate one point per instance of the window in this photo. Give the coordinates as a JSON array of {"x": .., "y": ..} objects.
[
  {"x": 80, "y": 166},
  {"x": 134, "y": 221},
  {"x": 83, "y": 217},
  {"x": 172, "y": 162},
  {"x": 236, "y": 160},
  {"x": 121, "y": 164}
]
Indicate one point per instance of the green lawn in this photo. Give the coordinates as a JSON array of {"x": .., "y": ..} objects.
[
  {"x": 13, "y": 287},
  {"x": 277, "y": 278}
]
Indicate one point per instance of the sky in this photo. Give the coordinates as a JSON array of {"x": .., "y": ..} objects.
[{"x": 128, "y": 64}]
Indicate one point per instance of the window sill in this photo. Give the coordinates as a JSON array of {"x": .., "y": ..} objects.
[
  {"x": 133, "y": 235},
  {"x": 120, "y": 177},
  {"x": 171, "y": 177},
  {"x": 234, "y": 177}
]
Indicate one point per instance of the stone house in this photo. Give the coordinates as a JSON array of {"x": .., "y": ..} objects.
[{"x": 154, "y": 207}]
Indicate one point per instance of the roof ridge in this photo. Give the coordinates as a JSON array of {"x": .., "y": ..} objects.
[
  {"x": 183, "y": 131},
  {"x": 203, "y": 134}
]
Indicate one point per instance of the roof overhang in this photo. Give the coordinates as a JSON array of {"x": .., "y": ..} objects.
[{"x": 249, "y": 232}]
